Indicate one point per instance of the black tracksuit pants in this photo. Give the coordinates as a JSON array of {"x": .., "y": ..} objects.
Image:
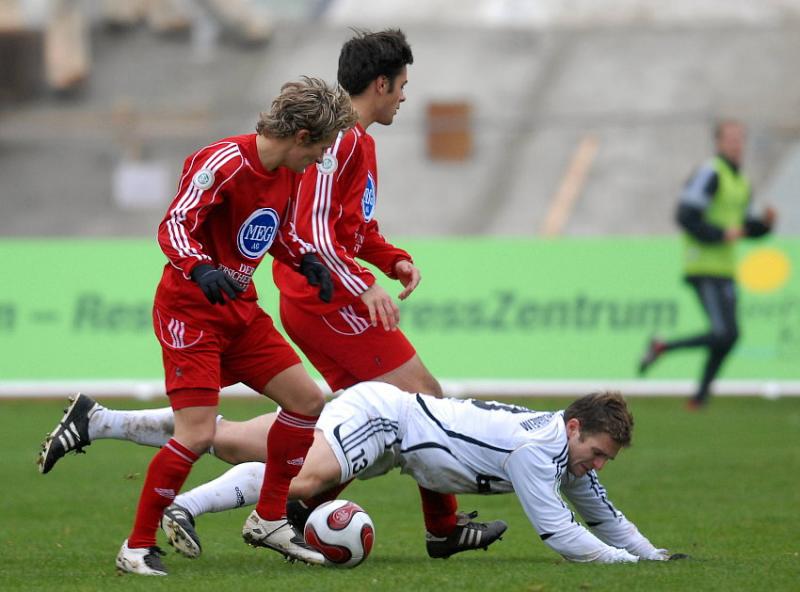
[{"x": 718, "y": 297}]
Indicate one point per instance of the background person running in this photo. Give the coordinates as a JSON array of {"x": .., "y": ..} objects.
[{"x": 715, "y": 211}]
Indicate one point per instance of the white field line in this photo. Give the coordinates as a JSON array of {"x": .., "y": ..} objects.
[{"x": 150, "y": 389}]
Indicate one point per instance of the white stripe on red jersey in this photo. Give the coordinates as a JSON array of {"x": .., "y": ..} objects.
[
  {"x": 229, "y": 211},
  {"x": 322, "y": 238},
  {"x": 335, "y": 210},
  {"x": 179, "y": 237}
]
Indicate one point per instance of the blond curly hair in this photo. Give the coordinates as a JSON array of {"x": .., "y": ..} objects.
[{"x": 308, "y": 104}]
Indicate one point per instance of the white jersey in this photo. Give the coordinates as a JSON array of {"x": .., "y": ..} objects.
[{"x": 473, "y": 446}]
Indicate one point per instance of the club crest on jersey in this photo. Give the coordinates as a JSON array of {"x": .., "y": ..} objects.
[
  {"x": 368, "y": 200},
  {"x": 328, "y": 164},
  {"x": 258, "y": 232},
  {"x": 203, "y": 179}
]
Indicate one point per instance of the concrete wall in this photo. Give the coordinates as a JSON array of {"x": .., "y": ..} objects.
[{"x": 647, "y": 94}]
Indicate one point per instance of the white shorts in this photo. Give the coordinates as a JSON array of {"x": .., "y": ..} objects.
[{"x": 364, "y": 427}]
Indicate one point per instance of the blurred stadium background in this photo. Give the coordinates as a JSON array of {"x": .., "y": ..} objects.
[
  {"x": 533, "y": 173},
  {"x": 533, "y": 130}
]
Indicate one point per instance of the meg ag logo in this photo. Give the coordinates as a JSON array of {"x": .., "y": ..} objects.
[
  {"x": 369, "y": 198},
  {"x": 258, "y": 232}
]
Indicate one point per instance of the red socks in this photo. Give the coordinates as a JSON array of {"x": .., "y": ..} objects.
[
  {"x": 288, "y": 441},
  {"x": 439, "y": 510},
  {"x": 165, "y": 477}
]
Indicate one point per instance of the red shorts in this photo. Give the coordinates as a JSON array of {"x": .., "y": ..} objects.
[
  {"x": 343, "y": 346},
  {"x": 198, "y": 359}
]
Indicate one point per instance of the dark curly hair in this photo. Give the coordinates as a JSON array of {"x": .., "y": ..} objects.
[{"x": 368, "y": 55}]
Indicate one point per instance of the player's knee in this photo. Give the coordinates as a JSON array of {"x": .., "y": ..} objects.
[
  {"x": 433, "y": 387},
  {"x": 423, "y": 381},
  {"x": 734, "y": 337},
  {"x": 724, "y": 341},
  {"x": 195, "y": 428},
  {"x": 310, "y": 403},
  {"x": 199, "y": 443},
  {"x": 426, "y": 384}
]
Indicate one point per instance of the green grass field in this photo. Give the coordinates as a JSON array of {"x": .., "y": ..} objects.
[{"x": 722, "y": 485}]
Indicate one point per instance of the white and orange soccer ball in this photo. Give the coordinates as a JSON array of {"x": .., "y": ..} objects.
[{"x": 341, "y": 531}]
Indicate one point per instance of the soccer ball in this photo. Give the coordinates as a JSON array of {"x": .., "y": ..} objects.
[{"x": 341, "y": 531}]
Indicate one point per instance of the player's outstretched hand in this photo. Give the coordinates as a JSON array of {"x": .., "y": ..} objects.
[
  {"x": 381, "y": 306},
  {"x": 409, "y": 276},
  {"x": 317, "y": 275},
  {"x": 733, "y": 233},
  {"x": 215, "y": 283},
  {"x": 654, "y": 554}
]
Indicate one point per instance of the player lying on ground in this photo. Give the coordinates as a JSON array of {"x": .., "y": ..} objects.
[
  {"x": 85, "y": 420},
  {"x": 447, "y": 445}
]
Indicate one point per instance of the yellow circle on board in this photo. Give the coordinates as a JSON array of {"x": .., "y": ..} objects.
[{"x": 764, "y": 270}]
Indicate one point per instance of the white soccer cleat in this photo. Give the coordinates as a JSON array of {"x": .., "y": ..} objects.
[
  {"x": 145, "y": 562},
  {"x": 280, "y": 536}
]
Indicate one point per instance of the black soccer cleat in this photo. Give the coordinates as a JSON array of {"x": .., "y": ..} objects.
[
  {"x": 178, "y": 524},
  {"x": 655, "y": 348},
  {"x": 70, "y": 435},
  {"x": 466, "y": 536},
  {"x": 297, "y": 514}
]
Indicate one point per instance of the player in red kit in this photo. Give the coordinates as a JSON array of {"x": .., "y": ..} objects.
[
  {"x": 230, "y": 210},
  {"x": 354, "y": 337}
]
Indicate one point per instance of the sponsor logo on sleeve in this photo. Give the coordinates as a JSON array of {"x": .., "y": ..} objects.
[
  {"x": 258, "y": 232},
  {"x": 368, "y": 200}
]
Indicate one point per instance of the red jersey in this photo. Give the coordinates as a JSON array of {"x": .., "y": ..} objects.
[
  {"x": 335, "y": 210},
  {"x": 229, "y": 211}
]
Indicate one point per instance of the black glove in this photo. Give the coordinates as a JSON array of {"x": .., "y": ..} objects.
[
  {"x": 213, "y": 282},
  {"x": 317, "y": 275},
  {"x": 678, "y": 556}
]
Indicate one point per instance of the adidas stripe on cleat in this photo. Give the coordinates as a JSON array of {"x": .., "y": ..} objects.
[
  {"x": 71, "y": 434},
  {"x": 178, "y": 524},
  {"x": 466, "y": 536}
]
